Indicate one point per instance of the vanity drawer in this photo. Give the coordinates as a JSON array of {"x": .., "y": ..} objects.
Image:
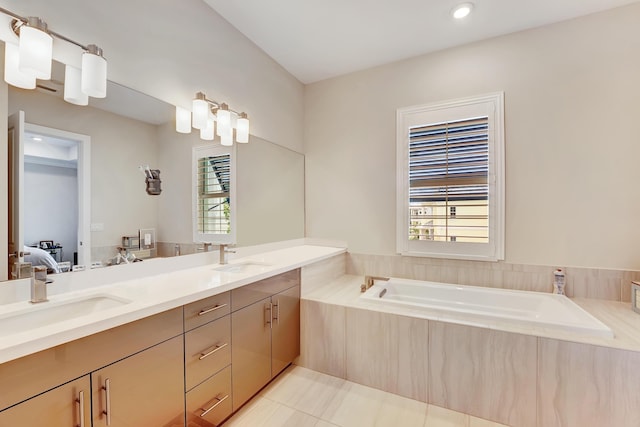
[
  {"x": 210, "y": 402},
  {"x": 207, "y": 350},
  {"x": 203, "y": 311},
  {"x": 247, "y": 295}
]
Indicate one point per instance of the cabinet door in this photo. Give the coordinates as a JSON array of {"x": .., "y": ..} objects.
[
  {"x": 146, "y": 389},
  {"x": 285, "y": 346},
  {"x": 66, "y": 406},
  {"x": 251, "y": 354}
]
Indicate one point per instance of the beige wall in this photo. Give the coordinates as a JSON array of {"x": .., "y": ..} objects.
[
  {"x": 172, "y": 49},
  {"x": 118, "y": 147},
  {"x": 572, "y": 102}
]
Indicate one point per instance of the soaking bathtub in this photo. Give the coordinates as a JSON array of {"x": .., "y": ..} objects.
[{"x": 487, "y": 305}]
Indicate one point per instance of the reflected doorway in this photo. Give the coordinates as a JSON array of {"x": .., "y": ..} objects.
[{"x": 54, "y": 211}]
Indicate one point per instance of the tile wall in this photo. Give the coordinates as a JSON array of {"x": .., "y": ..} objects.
[
  {"x": 580, "y": 282},
  {"x": 514, "y": 379}
]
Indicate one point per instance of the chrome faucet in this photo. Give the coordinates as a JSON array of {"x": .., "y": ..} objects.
[
  {"x": 39, "y": 284},
  {"x": 224, "y": 250},
  {"x": 368, "y": 282}
]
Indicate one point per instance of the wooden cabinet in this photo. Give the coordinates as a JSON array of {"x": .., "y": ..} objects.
[
  {"x": 265, "y": 333},
  {"x": 66, "y": 406},
  {"x": 207, "y": 351},
  {"x": 209, "y": 403},
  {"x": 144, "y": 389},
  {"x": 251, "y": 358},
  {"x": 285, "y": 334},
  {"x": 208, "y": 357}
]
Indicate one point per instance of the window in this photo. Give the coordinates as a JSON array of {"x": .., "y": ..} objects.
[
  {"x": 213, "y": 194},
  {"x": 451, "y": 179}
]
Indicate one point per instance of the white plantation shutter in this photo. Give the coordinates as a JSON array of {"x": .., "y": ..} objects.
[
  {"x": 448, "y": 181},
  {"x": 451, "y": 179}
]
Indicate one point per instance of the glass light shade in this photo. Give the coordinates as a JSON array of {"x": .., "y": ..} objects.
[
  {"x": 183, "y": 120},
  {"x": 94, "y": 75},
  {"x": 224, "y": 122},
  {"x": 226, "y": 138},
  {"x": 242, "y": 130},
  {"x": 36, "y": 49},
  {"x": 72, "y": 90},
  {"x": 12, "y": 74},
  {"x": 207, "y": 133},
  {"x": 200, "y": 115}
]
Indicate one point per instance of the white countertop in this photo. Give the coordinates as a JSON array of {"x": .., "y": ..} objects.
[
  {"x": 618, "y": 316},
  {"x": 156, "y": 286}
]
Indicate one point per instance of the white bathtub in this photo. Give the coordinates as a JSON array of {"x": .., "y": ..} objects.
[{"x": 487, "y": 305}]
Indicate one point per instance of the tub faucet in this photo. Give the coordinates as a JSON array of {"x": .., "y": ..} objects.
[
  {"x": 205, "y": 247},
  {"x": 224, "y": 250},
  {"x": 368, "y": 282}
]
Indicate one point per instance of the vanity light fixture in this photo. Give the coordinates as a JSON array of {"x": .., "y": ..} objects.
[
  {"x": 29, "y": 55},
  {"x": 212, "y": 118},
  {"x": 462, "y": 10}
]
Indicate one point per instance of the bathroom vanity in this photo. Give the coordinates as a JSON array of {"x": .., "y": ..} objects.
[{"x": 209, "y": 355}]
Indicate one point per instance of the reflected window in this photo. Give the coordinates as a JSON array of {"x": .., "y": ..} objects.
[{"x": 214, "y": 195}]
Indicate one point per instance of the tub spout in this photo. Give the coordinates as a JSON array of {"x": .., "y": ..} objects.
[{"x": 368, "y": 282}]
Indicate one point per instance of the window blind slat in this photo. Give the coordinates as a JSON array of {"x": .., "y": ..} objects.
[{"x": 448, "y": 168}]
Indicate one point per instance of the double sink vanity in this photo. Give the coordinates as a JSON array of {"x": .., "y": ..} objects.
[{"x": 188, "y": 345}]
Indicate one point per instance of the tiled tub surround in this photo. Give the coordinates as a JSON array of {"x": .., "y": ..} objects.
[
  {"x": 596, "y": 283},
  {"x": 512, "y": 375}
]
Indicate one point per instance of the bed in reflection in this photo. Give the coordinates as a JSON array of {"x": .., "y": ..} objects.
[{"x": 37, "y": 256}]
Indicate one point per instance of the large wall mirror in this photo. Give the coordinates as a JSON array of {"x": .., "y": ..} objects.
[{"x": 129, "y": 130}]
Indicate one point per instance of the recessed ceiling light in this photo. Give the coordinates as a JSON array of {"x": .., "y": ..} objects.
[
  {"x": 462, "y": 10},
  {"x": 36, "y": 138}
]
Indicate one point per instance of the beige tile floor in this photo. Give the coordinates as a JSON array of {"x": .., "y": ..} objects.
[{"x": 301, "y": 397}]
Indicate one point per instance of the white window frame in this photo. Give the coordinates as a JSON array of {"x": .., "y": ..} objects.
[
  {"x": 491, "y": 105},
  {"x": 208, "y": 151}
]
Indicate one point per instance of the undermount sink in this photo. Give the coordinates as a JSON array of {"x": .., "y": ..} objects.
[
  {"x": 242, "y": 267},
  {"x": 46, "y": 313}
]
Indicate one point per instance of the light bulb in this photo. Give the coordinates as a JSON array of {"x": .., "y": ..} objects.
[
  {"x": 226, "y": 138},
  {"x": 462, "y": 10},
  {"x": 94, "y": 72},
  {"x": 72, "y": 86},
  {"x": 224, "y": 120},
  {"x": 183, "y": 120},
  {"x": 12, "y": 74},
  {"x": 242, "y": 129},
  {"x": 200, "y": 115},
  {"x": 207, "y": 133},
  {"x": 36, "y": 49}
]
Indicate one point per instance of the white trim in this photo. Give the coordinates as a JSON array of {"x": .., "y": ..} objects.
[
  {"x": 84, "y": 185},
  {"x": 441, "y": 111},
  {"x": 213, "y": 150}
]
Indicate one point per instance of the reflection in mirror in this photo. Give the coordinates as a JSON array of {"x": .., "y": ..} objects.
[
  {"x": 129, "y": 129},
  {"x": 214, "y": 198}
]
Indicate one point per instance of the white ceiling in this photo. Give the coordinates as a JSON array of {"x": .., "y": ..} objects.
[{"x": 315, "y": 40}]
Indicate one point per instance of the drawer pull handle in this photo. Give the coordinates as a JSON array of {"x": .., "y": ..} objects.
[
  {"x": 80, "y": 402},
  {"x": 107, "y": 406},
  {"x": 209, "y": 310},
  {"x": 216, "y": 348},
  {"x": 219, "y": 401}
]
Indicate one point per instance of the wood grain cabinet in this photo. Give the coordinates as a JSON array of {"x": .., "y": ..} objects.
[
  {"x": 146, "y": 389},
  {"x": 66, "y": 406},
  {"x": 265, "y": 333}
]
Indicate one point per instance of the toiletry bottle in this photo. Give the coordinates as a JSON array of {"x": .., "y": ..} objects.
[{"x": 558, "y": 281}]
